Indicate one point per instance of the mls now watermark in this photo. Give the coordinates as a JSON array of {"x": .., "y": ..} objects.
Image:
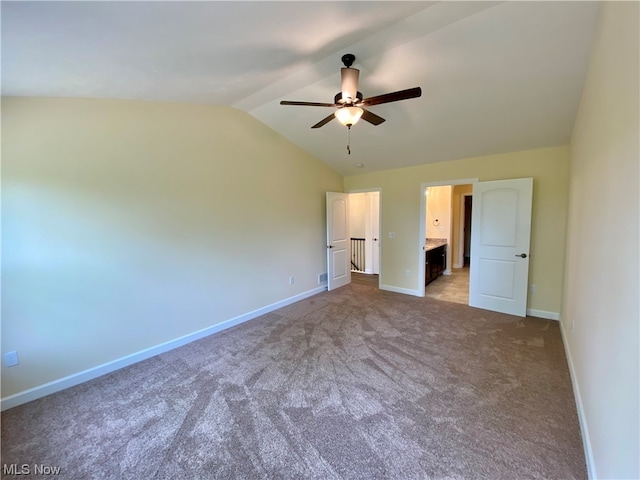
[{"x": 29, "y": 469}]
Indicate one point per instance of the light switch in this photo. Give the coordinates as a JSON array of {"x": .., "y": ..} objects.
[{"x": 11, "y": 359}]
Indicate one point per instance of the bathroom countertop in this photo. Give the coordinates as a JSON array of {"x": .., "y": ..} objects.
[{"x": 431, "y": 243}]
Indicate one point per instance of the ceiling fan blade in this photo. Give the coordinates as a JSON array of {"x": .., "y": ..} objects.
[
  {"x": 392, "y": 97},
  {"x": 308, "y": 104},
  {"x": 372, "y": 118},
  {"x": 324, "y": 121}
]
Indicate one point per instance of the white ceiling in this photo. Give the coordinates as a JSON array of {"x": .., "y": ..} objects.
[{"x": 495, "y": 77}]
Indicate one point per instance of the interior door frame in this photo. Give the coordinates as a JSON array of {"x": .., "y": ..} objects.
[
  {"x": 420, "y": 253},
  {"x": 463, "y": 211},
  {"x": 375, "y": 234},
  {"x": 379, "y": 191}
]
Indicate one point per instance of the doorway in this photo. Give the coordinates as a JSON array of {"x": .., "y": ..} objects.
[
  {"x": 448, "y": 222},
  {"x": 343, "y": 224},
  {"x": 364, "y": 221},
  {"x": 466, "y": 205},
  {"x": 500, "y": 241}
]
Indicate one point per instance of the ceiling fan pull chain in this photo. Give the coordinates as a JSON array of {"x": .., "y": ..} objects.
[{"x": 349, "y": 139}]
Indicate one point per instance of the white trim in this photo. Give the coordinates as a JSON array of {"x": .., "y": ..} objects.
[
  {"x": 374, "y": 246},
  {"x": 95, "y": 372},
  {"x": 364, "y": 190},
  {"x": 532, "y": 312},
  {"x": 582, "y": 419},
  {"x": 461, "y": 228},
  {"x": 406, "y": 291}
]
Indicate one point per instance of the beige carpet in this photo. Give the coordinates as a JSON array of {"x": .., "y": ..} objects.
[{"x": 355, "y": 383}]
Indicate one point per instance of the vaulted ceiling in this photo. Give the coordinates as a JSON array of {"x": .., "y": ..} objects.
[{"x": 495, "y": 76}]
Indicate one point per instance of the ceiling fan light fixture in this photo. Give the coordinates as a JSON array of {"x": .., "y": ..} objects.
[
  {"x": 349, "y": 100},
  {"x": 348, "y": 116}
]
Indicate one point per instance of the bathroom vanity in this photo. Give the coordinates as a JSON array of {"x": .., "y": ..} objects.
[{"x": 435, "y": 259}]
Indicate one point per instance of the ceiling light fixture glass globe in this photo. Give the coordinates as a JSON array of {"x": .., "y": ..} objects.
[{"x": 348, "y": 116}]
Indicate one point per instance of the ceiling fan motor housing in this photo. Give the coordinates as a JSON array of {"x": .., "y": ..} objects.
[
  {"x": 338, "y": 99},
  {"x": 350, "y": 78}
]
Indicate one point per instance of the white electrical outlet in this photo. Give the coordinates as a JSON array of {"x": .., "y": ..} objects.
[
  {"x": 392, "y": 234},
  {"x": 292, "y": 280},
  {"x": 407, "y": 273},
  {"x": 11, "y": 359},
  {"x": 532, "y": 289}
]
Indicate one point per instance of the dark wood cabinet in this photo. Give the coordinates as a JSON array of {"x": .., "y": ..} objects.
[{"x": 435, "y": 263}]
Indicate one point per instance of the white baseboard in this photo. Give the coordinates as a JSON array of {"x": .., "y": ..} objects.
[
  {"x": 586, "y": 439},
  {"x": 95, "y": 372},
  {"x": 532, "y": 312},
  {"x": 406, "y": 291}
]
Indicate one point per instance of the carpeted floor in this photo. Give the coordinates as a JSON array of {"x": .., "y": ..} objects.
[
  {"x": 365, "y": 279},
  {"x": 354, "y": 383}
]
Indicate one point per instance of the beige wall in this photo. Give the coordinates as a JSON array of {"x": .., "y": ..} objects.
[
  {"x": 600, "y": 319},
  {"x": 129, "y": 224},
  {"x": 438, "y": 210},
  {"x": 457, "y": 199},
  {"x": 401, "y": 198},
  {"x": 358, "y": 213},
  {"x": 439, "y": 217}
]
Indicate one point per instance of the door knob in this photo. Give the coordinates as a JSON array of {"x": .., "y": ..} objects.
[
  {"x": 522, "y": 255},
  {"x": 329, "y": 246}
]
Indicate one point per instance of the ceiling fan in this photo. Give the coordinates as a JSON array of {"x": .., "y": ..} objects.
[{"x": 350, "y": 102}]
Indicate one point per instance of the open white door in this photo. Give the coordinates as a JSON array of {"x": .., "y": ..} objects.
[
  {"x": 338, "y": 256},
  {"x": 500, "y": 236}
]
